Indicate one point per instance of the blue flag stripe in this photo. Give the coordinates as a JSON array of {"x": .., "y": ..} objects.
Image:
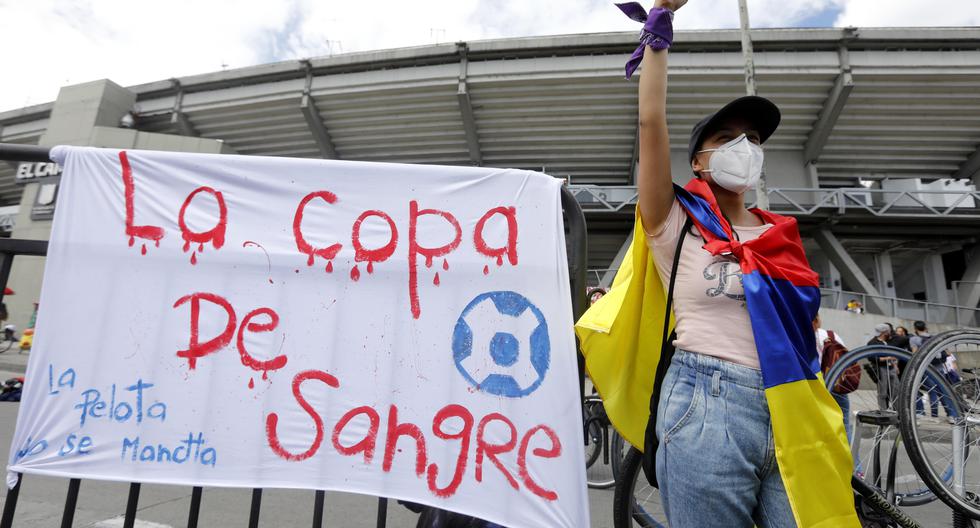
[{"x": 784, "y": 339}]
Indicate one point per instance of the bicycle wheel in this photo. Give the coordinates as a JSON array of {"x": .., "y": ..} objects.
[
  {"x": 636, "y": 502},
  {"x": 593, "y": 431},
  {"x": 941, "y": 447},
  {"x": 876, "y": 444},
  {"x": 599, "y": 474}
]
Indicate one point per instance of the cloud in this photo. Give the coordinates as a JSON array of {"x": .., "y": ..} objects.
[
  {"x": 871, "y": 13},
  {"x": 51, "y": 43}
]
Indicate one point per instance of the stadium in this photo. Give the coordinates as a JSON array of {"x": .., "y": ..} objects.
[{"x": 877, "y": 154}]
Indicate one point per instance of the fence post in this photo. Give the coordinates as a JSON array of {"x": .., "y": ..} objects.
[
  {"x": 129, "y": 521},
  {"x": 578, "y": 249},
  {"x": 253, "y": 515},
  {"x": 10, "y": 504},
  {"x": 925, "y": 314},
  {"x": 70, "y": 502},
  {"x": 195, "y": 510}
]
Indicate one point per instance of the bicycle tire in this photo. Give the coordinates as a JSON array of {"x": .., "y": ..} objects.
[
  {"x": 861, "y": 355},
  {"x": 916, "y": 370},
  {"x": 604, "y": 437},
  {"x": 625, "y": 508},
  {"x": 592, "y": 448}
]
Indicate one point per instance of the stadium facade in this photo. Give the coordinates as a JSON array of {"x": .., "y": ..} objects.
[{"x": 877, "y": 154}]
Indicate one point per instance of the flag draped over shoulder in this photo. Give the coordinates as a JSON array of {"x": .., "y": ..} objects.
[{"x": 621, "y": 339}]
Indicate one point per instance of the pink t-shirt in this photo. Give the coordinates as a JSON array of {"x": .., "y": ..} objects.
[{"x": 709, "y": 300}]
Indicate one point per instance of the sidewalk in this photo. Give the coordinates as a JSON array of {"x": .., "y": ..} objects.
[{"x": 13, "y": 363}]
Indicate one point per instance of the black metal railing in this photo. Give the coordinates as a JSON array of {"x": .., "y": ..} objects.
[{"x": 577, "y": 246}]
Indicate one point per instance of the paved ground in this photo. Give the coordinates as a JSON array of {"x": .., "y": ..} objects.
[{"x": 101, "y": 504}]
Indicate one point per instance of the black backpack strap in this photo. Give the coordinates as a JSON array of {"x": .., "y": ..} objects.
[
  {"x": 673, "y": 280},
  {"x": 650, "y": 441}
]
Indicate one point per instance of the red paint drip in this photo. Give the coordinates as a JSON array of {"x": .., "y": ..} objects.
[
  {"x": 265, "y": 374},
  {"x": 435, "y": 280},
  {"x": 486, "y": 270},
  {"x": 309, "y": 260},
  {"x": 143, "y": 249},
  {"x": 428, "y": 261},
  {"x": 500, "y": 260},
  {"x": 370, "y": 266},
  {"x": 251, "y": 383},
  {"x": 157, "y": 242},
  {"x": 329, "y": 266},
  {"x": 200, "y": 248},
  {"x": 194, "y": 258},
  {"x": 131, "y": 241},
  {"x": 445, "y": 264},
  {"x": 355, "y": 274},
  {"x": 187, "y": 246}
]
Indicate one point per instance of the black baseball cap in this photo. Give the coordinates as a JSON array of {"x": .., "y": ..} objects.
[{"x": 761, "y": 112}]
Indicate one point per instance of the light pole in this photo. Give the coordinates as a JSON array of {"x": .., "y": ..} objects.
[{"x": 761, "y": 194}]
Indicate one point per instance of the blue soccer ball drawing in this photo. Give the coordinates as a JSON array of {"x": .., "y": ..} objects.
[{"x": 501, "y": 344}]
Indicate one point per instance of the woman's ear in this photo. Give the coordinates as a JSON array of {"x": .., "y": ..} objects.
[{"x": 696, "y": 166}]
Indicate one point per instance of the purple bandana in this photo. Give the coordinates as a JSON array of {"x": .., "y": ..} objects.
[{"x": 658, "y": 31}]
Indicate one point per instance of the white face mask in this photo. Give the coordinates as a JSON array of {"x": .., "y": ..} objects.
[{"x": 736, "y": 165}]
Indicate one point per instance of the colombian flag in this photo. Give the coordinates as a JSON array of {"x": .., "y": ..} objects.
[{"x": 621, "y": 333}]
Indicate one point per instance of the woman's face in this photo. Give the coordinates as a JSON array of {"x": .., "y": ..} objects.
[
  {"x": 901, "y": 331},
  {"x": 728, "y": 131}
]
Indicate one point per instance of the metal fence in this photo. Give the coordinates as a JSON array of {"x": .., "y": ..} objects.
[
  {"x": 896, "y": 307},
  {"x": 577, "y": 245},
  {"x": 903, "y": 308},
  {"x": 959, "y": 204}
]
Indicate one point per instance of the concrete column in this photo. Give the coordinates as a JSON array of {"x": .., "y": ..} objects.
[
  {"x": 935, "y": 277},
  {"x": 855, "y": 279},
  {"x": 885, "y": 274},
  {"x": 607, "y": 278},
  {"x": 968, "y": 293},
  {"x": 78, "y": 109}
]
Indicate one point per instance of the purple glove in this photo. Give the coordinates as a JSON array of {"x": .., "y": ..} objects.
[{"x": 658, "y": 31}]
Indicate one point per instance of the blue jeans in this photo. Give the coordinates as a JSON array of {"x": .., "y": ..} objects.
[
  {"x": 716, "y": 463},
  {"x": 845, "y": 408}
]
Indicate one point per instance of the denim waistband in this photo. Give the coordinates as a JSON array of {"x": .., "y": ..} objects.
[{"x": 732, "y": 372}]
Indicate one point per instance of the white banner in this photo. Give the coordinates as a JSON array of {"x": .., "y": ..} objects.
[{"x": 396, "y": 330}]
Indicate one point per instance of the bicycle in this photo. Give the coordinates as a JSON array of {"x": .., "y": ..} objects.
[
  {"x": 636, "y": 503},
  {"x": 876, "y": 419},
  {"x": 940, "y": 447},
  {"x": 601, "y": 440}
]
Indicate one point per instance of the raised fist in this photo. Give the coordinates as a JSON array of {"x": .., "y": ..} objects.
[{"x": 673, "y": 5}]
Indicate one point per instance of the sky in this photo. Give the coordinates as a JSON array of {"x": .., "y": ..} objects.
[{"x": 52, "y": 43}]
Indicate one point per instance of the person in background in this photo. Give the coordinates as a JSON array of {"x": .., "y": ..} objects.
[
  {"x": 855, "y": 306},
  {"x": 887, "y": 367},
  {"x": 595, "y": 294},
  {"x": 902, "y": 331},
  {"x": 920, "y": 337},
  {"x": 936, "y": 396},
  {"x": 898, "y": 340},
  {"x": 824, "y": 338}
]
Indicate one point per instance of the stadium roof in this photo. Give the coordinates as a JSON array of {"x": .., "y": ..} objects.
[{"x": 862, "y": 102}]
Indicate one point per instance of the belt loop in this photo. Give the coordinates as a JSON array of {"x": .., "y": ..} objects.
[{"x": 716, "y": 383}]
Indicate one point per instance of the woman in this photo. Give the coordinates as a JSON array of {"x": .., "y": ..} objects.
[{"x": 716, "y": 463}]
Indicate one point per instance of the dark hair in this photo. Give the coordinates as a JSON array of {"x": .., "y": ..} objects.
[
  {"x": 902, "y": 328},
  {"x": 891, "y": 326},
  {"x": 920, "y": 326}
]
